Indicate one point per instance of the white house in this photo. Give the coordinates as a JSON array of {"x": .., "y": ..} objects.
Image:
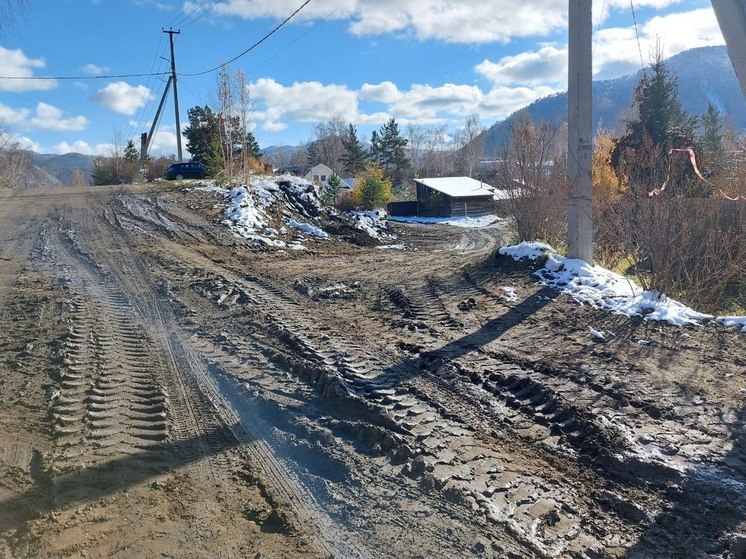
[{"x": 320, "y": 174}]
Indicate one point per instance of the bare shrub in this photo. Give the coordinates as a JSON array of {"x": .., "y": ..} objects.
[
  {"x": 693, "y": 249},
  {"x": 532, "y": 170}
]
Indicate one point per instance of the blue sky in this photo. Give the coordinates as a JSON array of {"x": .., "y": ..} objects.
[{"x": 423, "y": 62}]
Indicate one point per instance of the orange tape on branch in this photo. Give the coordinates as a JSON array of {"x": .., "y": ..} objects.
[{"x": 693, "y": 160}]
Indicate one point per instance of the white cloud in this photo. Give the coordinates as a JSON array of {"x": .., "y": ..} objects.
[
  {"x": 548, "y": 65},
  {"x": 467, "y": 21},
  {"x": 13, "y": 117},
  {"x": 14, "y": 63},
  {"x": 425, "y": 102},
  {"x": 49, "y": 117},
  {"x": 302, "y": 101},
  {"x": 500, "y": 102},
  {"x": 615, "y": 50},
  {"x": 21, "y": 142},
  {"x": 122, "y": 97},
  {"x": 95, "y": 70},
  {"x": 420, "y": 104},
  {"x": 45, "y": 117},
  {"x": 164, "y": 141},
  {"x": 384, "y": 92}
]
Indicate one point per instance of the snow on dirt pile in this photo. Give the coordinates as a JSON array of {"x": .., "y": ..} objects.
[
  {"x": 286, "y": 212},
  {"x": 372, "y": 222},
  {"x": 608, "y": 290},
  {"x": 264, "y": 211}
]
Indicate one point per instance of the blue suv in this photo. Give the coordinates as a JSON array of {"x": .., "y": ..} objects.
[{"x": 180, "y": 171}]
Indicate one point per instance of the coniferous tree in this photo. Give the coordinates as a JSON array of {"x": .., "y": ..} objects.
[
  {"x": 203, "y": 131},
  {"x": 387, "y": 149},
  {"x": 130, "y": 152},
  {"x": 641, "y": 155},
  {"x": 355, "y": 157},
  {"x": 332, "y": 191},
  {"x": 252, "y": 146}
]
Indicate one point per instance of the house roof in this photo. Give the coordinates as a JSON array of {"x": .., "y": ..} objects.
[{"x": 458, "y": 187}]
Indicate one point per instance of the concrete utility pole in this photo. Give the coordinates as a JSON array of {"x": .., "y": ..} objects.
[
  {"x": 171, "y": 34},
  {"x": 731, "y": 16},
  {"x": 580, "y": 132}
]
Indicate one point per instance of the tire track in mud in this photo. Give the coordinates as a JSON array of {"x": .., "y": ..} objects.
[
  {"x": 575, "y": 416},
  {"x": 417, "y": 430},
  {"x": 202, "y": 401},
  {"x": 109, "y": 398}
]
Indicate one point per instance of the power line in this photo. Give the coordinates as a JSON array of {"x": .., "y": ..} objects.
[
  {"x": 252, "y": 47},
  {"x": 150, "y": 74},
  {"x": 299, "y": 37},
  {"x": 194, "y": 19},
  {"x": 637, "y": 35},
  {"x": 103, "y": 77}
]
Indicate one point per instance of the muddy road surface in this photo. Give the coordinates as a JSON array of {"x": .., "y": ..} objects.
[{"x": 168, "y": 389}]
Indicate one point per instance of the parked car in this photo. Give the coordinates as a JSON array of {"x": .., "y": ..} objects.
[{"x": 180, "y": 171}]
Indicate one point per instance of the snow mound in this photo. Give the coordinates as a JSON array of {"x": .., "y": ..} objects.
[
  {"x": 286, "y": 211},
  {"x": 604, "y": 289},
  {"x": 532, "y": 251},
  {"x": 372, "y": 222}
]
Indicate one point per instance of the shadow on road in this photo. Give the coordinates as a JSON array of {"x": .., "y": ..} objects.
[{"x": 102, "y": 480}]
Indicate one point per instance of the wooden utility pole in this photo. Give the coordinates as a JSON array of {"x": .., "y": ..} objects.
[
  {"x": 171, "y": 34},
  {"x": 580, "y": 132}
]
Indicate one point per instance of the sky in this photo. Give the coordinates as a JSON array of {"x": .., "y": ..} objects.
[{"x": 422, "y": 62}]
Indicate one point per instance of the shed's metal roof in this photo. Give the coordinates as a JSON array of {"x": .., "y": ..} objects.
[{"x": 458, "y": 187}]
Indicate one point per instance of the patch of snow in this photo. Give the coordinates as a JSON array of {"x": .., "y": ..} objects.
[
  {"x": 597, "y": 335},
  {"x": 731, "y": 321},
  {"x": 604, "y": 289},
  {"x": 211, "y": 187},
  {"x": 296, "y": 245},
  {"x": 509, "y": 294},
  {"x": 522, "y": 250},
  {"x": 373, "y": 222},
  {"x": 470, "y": 222},
  {"x": 307, "y": 228},
  {"x": 392, "y": 247}
]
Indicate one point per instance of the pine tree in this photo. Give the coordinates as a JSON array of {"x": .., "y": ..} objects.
[
  {"x": 130, "y": 152},
  {"x": 252, "y": 146},
  {"x": 333, "y": 190},
  {"x": 203, "y": 131},
  {"x": 641, "y": 156},
  {"x": 660, "y": 115},
  {"x": 355, "y": 156},
  {"x": 387, "y": 149}
]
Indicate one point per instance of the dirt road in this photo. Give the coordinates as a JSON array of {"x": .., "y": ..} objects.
[{"x": 170, "y": 390}]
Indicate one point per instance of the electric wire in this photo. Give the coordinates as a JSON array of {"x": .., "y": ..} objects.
[
  {"x": 637, "y": 35},
  {"x": 598, "y": 27},
  {"x": 204, "y": 12},
  {"x": 102, "y": 77},
  {"x": 298, "y": 38},
  {"x": 252, "y": 47},
  {"x": 136, "y": 123}
]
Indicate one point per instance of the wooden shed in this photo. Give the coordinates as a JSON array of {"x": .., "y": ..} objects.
[{"x": 454, "y": 197}]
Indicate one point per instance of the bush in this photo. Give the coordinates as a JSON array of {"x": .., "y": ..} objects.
[{"x": 373, "y": 189}]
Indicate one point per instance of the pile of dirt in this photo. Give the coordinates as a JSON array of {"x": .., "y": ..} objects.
[{"x": 287, "y": 212}]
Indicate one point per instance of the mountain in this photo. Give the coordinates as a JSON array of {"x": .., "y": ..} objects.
[
  {"x": 61, "y": 167},
  {"x": 705, "y": 75}
]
